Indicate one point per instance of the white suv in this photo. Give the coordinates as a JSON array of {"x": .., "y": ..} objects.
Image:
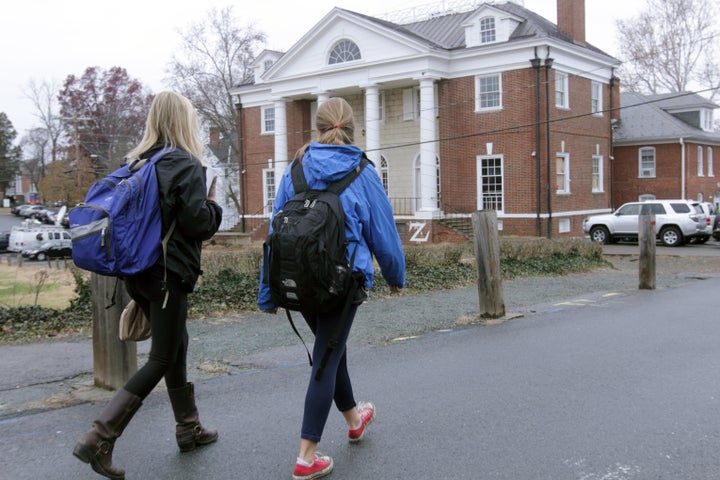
[{"x": 676, "y": 221}]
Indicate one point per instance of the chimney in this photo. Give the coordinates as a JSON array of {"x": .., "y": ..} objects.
[
  {"x": 214, "y": 136},
  {"x": 571, "y": 18}
]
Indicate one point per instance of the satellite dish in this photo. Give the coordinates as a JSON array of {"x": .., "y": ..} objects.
[{"x": 60, "y": 215}]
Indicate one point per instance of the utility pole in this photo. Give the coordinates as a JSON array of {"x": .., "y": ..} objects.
[
  {"x": 77, "y": 157},
  {"x": 76, "y": 138}
]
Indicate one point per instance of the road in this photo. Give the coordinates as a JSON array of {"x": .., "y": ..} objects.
[{"x": 618, "y": 387}]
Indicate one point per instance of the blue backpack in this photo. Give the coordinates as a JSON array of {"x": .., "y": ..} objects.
[{"x": 116, "y": 230}]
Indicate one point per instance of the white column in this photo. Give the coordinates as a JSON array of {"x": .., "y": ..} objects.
[
  {"x": 322, "y": 97},
  {"x": 372, "y": 123},
  {"x": 428, "y": 147},
  {"x": 281, "y": 146}
]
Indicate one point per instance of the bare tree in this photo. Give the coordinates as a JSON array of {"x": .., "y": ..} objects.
[
  {"x": 43, "y": 96},
  {"x": 215, "y": 55},
  {"x": 670, "y": 47},
  {"x": 36, "y": 151}
]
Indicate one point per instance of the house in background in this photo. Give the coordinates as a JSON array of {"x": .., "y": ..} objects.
[
  {"x": 220, "y": 161},
  {"x": 665, "y": 147},
  {"x": 492, "y": 107}
]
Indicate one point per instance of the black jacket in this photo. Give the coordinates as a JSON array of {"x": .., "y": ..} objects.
[{"x": 183, "y": 196}]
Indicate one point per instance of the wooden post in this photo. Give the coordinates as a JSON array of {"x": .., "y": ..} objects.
[
  {"x": 646, "y": 241},
  {"x": 487, "y": 257},
  {"x": 114, "y": 361}
]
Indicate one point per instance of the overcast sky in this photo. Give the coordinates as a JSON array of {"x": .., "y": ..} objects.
[{"x": 47, "y": 40}]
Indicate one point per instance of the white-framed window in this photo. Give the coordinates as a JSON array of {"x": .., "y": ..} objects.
[
  {"x": 646, "y": 162},
  {"x": 267, "y": 119},
  {"x": 596, "y": 104},
  {"x": 490, "y": 183},
  {"x": 488, "y": 92},
  {"x": 487, "y": 29},
  {"x": 269, "y": 190},
  {"x": 646, "y": 197},
  {"x": 597, "y": 174},
  {"x": 562, "y": 173},
  {"x": 707, "y": 119},
  {"x": 344, "y": 51},
  {"x": 562, "y": 90},
  {"x": 711, "y": 167},
  {"x": 411, "y": 103},
  {"x": 564, "y": 225},
  {"x": 384, "y": 176},
  {"x": 701, "y": 163}
]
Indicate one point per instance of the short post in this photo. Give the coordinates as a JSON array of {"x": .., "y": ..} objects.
[
  {"x": 646, "y": 241},
  {"x": 487, "y": 257},
  {"x": 114, "y": 361}
]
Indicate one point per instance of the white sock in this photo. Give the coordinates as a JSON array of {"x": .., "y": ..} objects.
[{"x": 302, "y": 462}]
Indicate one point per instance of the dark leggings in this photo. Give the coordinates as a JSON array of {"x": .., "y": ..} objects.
[
  {"x": 334, "y": 384},
  {"x": 168, "y": 350}
]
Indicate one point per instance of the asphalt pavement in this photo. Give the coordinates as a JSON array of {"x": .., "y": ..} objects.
[{"x": 615, "y": 385}]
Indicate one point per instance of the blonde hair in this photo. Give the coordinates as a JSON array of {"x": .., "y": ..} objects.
[
  {"x": 172, "y": 121},
  {"x": 335, "y": 123}
]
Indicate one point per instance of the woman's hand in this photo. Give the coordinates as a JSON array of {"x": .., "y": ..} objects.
[{"x": 211, "y": 190}]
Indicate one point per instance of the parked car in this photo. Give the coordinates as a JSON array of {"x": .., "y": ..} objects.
[
  {"x": 31, "y": 210},
  {"x": 50, "y": 249},
  {"x": 711, "y": 222},
  {"x": 676, "y": 221}
]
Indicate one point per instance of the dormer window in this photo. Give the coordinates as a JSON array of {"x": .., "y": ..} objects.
[
  {"x": 707, "y": 123},
  {"x": 266, "y": 65},
  {"x": 344, "y": 51},
  {"x": 487, "y": 29}
]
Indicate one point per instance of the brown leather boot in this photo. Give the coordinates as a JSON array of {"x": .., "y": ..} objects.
[
  {"x": 188, "y": 432},
  {"x": 96, "y": 445}
]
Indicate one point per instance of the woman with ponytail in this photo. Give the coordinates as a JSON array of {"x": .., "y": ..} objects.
[{"x": 370, "y": 230}]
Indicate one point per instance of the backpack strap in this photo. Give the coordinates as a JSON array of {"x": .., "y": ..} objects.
[
  {"x": 138, "y": 164},
  {"x": 300, "y": 183},
  {"x": 335, "y": 337},
  {"x": 338, "y": 186},
  {"x": 298, "y": 177}
]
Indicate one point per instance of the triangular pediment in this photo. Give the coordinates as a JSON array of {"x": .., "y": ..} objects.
[{"x": 377, "y": 42}]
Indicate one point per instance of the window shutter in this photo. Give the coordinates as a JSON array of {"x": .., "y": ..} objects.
[{"x": 408, "y": 105}]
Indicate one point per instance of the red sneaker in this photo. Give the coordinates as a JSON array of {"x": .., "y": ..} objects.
[
  {"x": 323, "y": 465},
  {"x": 367, "y": 415}
]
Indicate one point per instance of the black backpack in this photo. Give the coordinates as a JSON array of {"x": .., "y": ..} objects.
[{"x": 304, "y": 257}]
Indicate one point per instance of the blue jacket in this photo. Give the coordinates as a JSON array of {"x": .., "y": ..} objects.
[{"x": 369, "y": 222}]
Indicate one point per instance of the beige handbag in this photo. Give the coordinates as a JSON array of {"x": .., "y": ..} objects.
[{"x": 134, "y": 325}]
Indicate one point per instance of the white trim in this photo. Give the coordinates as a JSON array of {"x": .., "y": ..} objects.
[
  {"x": 494, "y": 108},
  {"x": 263, "y": 110},
  {"x": 601, "y": 173},
  {"x": 563, "y": 189}
]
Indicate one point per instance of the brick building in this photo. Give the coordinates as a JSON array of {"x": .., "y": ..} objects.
[
  {"x": 665, "y": 147},
  {"x": 494, "y": 108}
]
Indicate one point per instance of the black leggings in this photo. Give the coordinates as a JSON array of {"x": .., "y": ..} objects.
[
  {"x": 334, "y": 383},
  {"x": 168, "y": 351}
]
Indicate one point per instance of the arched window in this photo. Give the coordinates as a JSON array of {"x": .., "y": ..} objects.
[
  {"x": 344, "y": 51},
  {"x": 384, "y": 173}
]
